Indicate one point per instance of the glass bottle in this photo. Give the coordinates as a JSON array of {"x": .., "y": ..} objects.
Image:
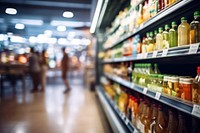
[
  {"x": 173, "y": 35},
  {"x": 196, "y": 88},
  {"x": 139, "y": 115},
  {"x": 129, "y": 108},
  {"x": 153, "y": 119},
  {"x": 156, "y": 69},
  {"x": 159, "y": 39},
  {"x": 141, "y": 121},
  {"x": 161, "y": 5},
  {"x": 154, "y": 39},
  {"x": 195, "y": 125},
  {"x": 172, "y": 123},
  {"x": 144, "y": 45},
  {"x": 165, "y": 44},
  {"x": 181, "y": 124},
  {"x": 161, "y": 123},
  {"x": 135, "y": 111},
  {"x": 154, "y": 8},
  {"x": 195, "y": 28},
  {"x": 146, "y": 119},
  {"x": 140, "y": 15},
  {"x": 183, "y": 32},
  {"x": 151, "y": 43}
]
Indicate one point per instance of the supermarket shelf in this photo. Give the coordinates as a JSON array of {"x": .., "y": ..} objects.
[
  {"x": 115, "y": 116},
  {"x": 182, "y": 51},
  {"x": 152, "y": 20},
  {"x": 176, "y": 103}
]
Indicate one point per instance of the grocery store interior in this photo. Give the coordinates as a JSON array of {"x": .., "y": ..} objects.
[{"x": 99, "y": 66}]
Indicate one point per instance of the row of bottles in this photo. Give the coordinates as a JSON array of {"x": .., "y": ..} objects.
[
  {"x": 177, "y": 35},
  {"x": 148, "y": 116},
  {"x": 148, "y": 75},
  {"x": 134, "y": 15},
  {"x": 183, "y": 34}
]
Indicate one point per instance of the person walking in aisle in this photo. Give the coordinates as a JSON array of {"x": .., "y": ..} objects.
[
  {"x": 64, "y": 69},
  {"x": 34, "y": 68},
  {"x": 44, "y": 68}
]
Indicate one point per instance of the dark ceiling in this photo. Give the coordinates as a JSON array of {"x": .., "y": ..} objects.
[{"x": 47, "y": 11}]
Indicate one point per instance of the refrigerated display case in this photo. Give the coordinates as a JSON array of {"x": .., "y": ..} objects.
[{"x": 122, "y": 31}]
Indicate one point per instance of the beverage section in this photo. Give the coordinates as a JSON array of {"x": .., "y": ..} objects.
[{"x": 150, "y": 71}]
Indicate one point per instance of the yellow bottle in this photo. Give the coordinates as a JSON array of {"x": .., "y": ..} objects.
[
  {"x": 159, "y": 39},
  {"x": 183, "y": 32}
]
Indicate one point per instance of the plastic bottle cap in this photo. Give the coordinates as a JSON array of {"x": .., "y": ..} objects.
[
  {"x": 174, "y": 23},
  {"x": 183, "y": 18},
  {"x": 155, "y": 31},
  {"x": 160, "y": 29},
  {"x": 196, "y": 13},
  {"x": 166, "y": 26}
]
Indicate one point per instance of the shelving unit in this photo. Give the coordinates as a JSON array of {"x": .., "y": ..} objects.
[
  {"x": 183, "y": 51},
  {"x": 119, "y": 122},
  {"x": 175, "y": 57}
]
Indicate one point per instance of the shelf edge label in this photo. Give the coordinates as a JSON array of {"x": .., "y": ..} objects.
[
  {"x": 126, "y": 121},
  {"x": 193, "y": 48},
  {"x": 164, "y": 53},
  {"x": 196, "y": 110},
  {"x": 144, "y": 55},
  {"x": 155, "y": 54},
  {"x": 145, "y": 90},
  {"x": 132, "y": 85},
  {"x": 135, "y": 131},
  {"x": 157, "y": 96}
]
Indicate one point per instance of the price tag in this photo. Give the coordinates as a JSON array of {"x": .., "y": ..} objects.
[
  {"x": 123, "y": 116},
  {"x": 126, "y": 121},
  {"x": 124, "y": 58},
  {"x": 155, "y": 54},
  {"x": 145, "y": 90},
  {"x": 193, "y": 48},
  {"x": 157, "y": 96},
  {"x": 132, "y": 85},
  {"x": 139, "y": 56},
  {"x": 144, "y": 55},
  {"x": 164, "y": 53},
  {"x": 196, "y": 110}
]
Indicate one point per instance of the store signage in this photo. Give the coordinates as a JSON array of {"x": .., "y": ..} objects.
[
  {"x": 193, "y": 48},
  {"x": 157, "y": 96}
]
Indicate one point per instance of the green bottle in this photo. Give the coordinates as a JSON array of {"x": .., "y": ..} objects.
[
  {"x": 173, "y": 35},
  {"x": 166, "y": 37},
  {"x": 159, "y": 39}
]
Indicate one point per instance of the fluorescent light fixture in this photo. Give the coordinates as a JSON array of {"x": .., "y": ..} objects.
[
  {"x": 41, "y": 38},
  {"x": 17, "y": 39},
  {"x": 69, "y": 23},
  {"x": 11, "y": 11},
  {"x": 61, "y": 28},
  {"x": 36, "y": 22},
  {"x": 48, "y": 32},
  {"x": 103, "y": 11},
  {"x": 86, "y": 41},
  {"x": 62, "y": 41},
  {"x": 68, "y": 14},
  {"x": 96, "y": 16},
  {"x": 51, "y": 40},
  {"x": 32, "y": 39},
  {"x": 76, "y": 41},
  {"x": 19, "y": 26}
]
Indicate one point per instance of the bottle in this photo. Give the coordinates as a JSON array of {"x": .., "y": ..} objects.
[
  {"x": 146, "y": 119},
  {"x": 161, "y": 123},
  {"x": 183, "y": 32},
  {"x": 154, "y": 8},
  {"x": 159, "y": 39},
  {"x": 135, "y": 111},
  {"x": 173, "y": 35},
  {"x": 145, "y": 11},
  {"x": 161, "y": 5},
  {"x": 129, "y": 108},
  {"x": 196, "y": 88},
  {"x": 141, "y": 122},
  {"x": 172, "y": 123},
  {"x": 154, "y": 39},
  {"x": 165, "y": 44},
  {"x": 166, "y": 3},
  {"x": 156, "y": 70},
  {"x": 153, "y": 119},
  {"x": 195, "y": 125},
  {"x": 144, "y": 45},
  {"x": 195, "y": 28},
  {"x": 149, "y": 69},
  {"x": 140, "y": 19},
  {"x": 181, "y": 124},
  {"x": 140, "y": 111},
  {"x": 150, "y": 47}
]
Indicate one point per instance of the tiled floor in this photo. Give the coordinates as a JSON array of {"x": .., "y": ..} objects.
[{"x": 52, "y": 111}]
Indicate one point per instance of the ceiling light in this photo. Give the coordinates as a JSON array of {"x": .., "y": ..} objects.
[
  {"x": 41, "y": 38},
  {"x": 62, "y": 41},
  {"x": 32, "y": 39},
  {"x": 28, "y": 21},
  {"x": 11, "y": 11},
  {"x": 51, "y": 40},
  {"x": 96, "y": 16},
  {"x": 69, "y": 23},
  {"x": 68, "y": 14},
  {"x": 18, "y": 39},
  {"x": 48, "y": 32},
  {"x": 61, "y": 28},
  {"x": 19, "y": 26}
]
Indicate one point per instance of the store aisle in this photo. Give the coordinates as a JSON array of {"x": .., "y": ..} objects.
[{"x": 53, "y": 112}]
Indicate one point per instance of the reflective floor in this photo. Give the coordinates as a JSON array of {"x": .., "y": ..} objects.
[{"x": 51, "y": 111}]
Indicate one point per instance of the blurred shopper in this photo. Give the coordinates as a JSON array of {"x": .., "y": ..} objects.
[
  {"x": 44, "y": 69},
  {"x": 64, "y": 69},
  {"x": 34, "y": 68}
]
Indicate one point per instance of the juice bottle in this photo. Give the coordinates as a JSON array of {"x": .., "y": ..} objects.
[
  {"x": 129, "y": 108},
  {"x": 183, "y": 32},
  {"x": 154, "y": 39},
  {"x": 154, "y": 8},
  {"x": 173, "y": 35},
  {"x": 151, "y": 43},
  {"x": 159, "y": 39},
  {"x": 195, "y": 28},
  {"x": 161, "y": 122},
  {"x": 172, "y": 123},
  {"x": 181, "y": 124},
  {"x": 144, "y": 45},
  {"x": 140, "y": 111},
  {"x": 135, "y": 111},
  {"x": 196, "y": 88},
  {"x": 156, "y": 70},
  {"x": 166, "y": 3},
  {"x": 141, "y": 123},
  {"x": 165, "y": 33},
  {"x": 146, "y": 13},
  {"x": 161, "y": 5},
  {"x": 140, "y": 19},
  {"x": 146, "y": 119},
  {"x": 153, "y": 119}
]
